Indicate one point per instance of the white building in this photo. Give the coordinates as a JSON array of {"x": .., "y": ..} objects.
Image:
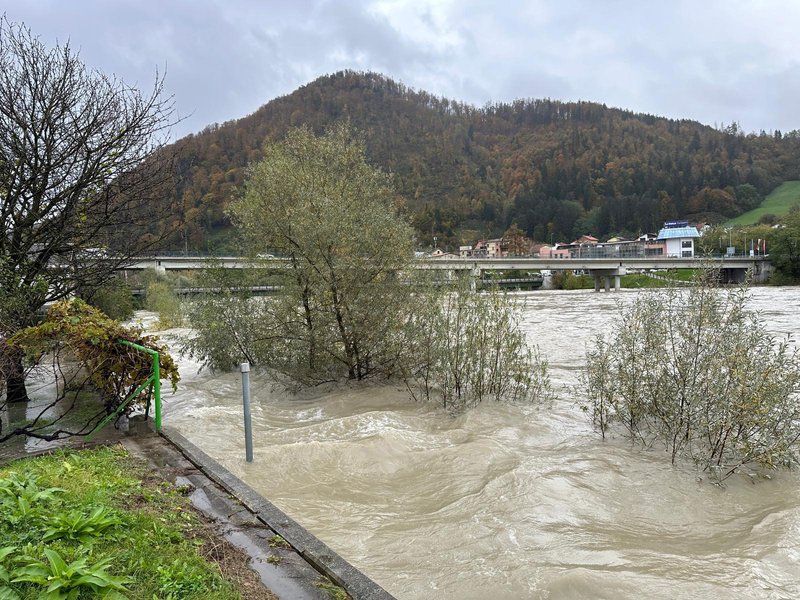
[{"x": 678, "y": 237}]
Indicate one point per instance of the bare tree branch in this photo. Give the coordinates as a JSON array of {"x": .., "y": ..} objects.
[{"x": 83, "y": 174}]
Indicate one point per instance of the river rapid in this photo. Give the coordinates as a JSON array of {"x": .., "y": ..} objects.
[{"x": 505, "y": 502}]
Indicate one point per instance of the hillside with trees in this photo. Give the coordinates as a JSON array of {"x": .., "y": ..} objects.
[{"x": 556, "y": 169}]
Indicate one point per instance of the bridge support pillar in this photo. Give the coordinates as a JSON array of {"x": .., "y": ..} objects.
[
  {"x": 606, "y": 275},
  {"x": 475, "y": 275}
]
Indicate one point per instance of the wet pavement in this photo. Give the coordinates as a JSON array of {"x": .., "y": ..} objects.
[{"x": 281, "y": 568}]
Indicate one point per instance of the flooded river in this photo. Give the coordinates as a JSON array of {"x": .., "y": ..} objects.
[{"x": 506, "y": 502}]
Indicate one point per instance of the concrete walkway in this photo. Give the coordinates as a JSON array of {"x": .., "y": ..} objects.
[
  {"x": 282, "y": 570},
  {"x": 290, "y": 561}
]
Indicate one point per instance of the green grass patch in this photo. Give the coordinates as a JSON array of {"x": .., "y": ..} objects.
[
  {"x": 778, "y": 203},
  {"x": 680, "y": 274},
  {"x": 334, "y": 591},
  {"x": 568, "y": 281},
  {"x": 640, "y": 280},
  {"x": 96, "y": 524},
  {"x": 662, "y": 279}
]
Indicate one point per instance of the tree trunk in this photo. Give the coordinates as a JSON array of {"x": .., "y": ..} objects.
[{"x": 15, "y": 379}]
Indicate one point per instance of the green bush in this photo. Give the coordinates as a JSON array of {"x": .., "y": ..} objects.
[
  {"x": 567, "y": 280},
  {"x": 161, "y": 298},
  {"x": 696, "y": 371},
  {"x": 114, "y": 298}
]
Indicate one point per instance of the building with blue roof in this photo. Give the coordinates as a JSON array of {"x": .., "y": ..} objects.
[{"x": 678, "y": 238}]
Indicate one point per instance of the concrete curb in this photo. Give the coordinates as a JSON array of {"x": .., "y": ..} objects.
[{"x": 318, "y": 554}]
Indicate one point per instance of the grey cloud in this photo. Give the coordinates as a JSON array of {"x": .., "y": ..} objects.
[{"x": 712, "y": 61}]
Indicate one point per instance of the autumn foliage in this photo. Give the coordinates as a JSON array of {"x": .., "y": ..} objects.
[{"x": 556, "y": 169}]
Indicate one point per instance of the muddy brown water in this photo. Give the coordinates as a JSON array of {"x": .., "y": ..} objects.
[{"x": 505, "y": 502}]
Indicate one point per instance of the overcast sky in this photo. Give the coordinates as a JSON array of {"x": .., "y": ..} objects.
[{"x": 715, "y": 61}]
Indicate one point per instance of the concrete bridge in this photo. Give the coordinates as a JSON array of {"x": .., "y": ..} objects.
[{"x": 733, "y": 268}]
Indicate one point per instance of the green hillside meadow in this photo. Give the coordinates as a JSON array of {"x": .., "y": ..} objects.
[{"x": 777, "y": 203}]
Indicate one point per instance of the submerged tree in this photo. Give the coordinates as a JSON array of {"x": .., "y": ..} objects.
[
  {"x": 461, "y": 347},
  {"x": 80, "y": 173},
  {"x": 696, "y": 372},
  {"x": 317, "y": 201},
  {"x": 350, "y": 306}
]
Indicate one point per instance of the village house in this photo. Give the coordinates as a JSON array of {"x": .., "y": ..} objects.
[
  {"x": 439, "y": 253},
  {"x": 536, "y": 248},
  {"x": 496, "y": 248},
  {"x": 480, "y": 250},
  {"x": 558, "y": 251},
  {"x": 586, "y": 240}
]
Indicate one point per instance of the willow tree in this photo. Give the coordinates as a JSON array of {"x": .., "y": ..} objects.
[
  {"x": 80, "y": 173},
  {"x": 696, "y": 372},
  {"x": 316, "y": 201},
  {"x": 351, "y": 306}
]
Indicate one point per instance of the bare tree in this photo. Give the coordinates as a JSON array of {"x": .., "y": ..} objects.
[{"x": 82, "y": 176}]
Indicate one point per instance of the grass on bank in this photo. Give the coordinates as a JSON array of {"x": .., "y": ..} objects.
[
  {"x": 662, "y": 279},
  {"x": 778, "y": 203},
  {"x": 95, "y": 524}
]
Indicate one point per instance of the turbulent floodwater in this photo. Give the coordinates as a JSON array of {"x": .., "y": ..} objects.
[{"x": 505, "y": 502}]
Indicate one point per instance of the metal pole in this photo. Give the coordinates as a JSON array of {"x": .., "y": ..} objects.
[
  {"x": 156, "y": 377},
  {"x": 248, "y": 428},
  {"x": 157, "y": 389}
]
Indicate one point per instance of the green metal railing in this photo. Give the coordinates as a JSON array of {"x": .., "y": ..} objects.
[{"x": 154, "y": 381}]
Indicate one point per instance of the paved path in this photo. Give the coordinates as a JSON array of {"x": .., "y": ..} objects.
[{"x": 288, "y": 575}]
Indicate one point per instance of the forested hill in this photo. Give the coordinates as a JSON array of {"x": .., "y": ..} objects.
[{"x": 557, "y": 169}]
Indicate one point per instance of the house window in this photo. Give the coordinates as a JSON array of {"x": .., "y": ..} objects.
[
  {"x": 686, "y": 254},
  {"x": 686, "y": 244}
]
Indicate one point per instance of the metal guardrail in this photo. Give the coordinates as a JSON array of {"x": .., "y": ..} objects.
[
  {"x": 596, "y": 265},
  {"x": 188, "y": 291},
  {"x": 154, "y": 381}
]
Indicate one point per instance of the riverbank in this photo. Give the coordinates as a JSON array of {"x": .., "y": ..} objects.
[
  {"x": 566, "y": 280},
  {"x": 118, "y": 525},
  {"x": 198, "y": 506}
]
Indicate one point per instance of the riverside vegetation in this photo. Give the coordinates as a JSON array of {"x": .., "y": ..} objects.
[
  {"x": 695, "y": 372},
  {"x": 350, "y": 308},
  {"x": 97, "y": 524},
  {"x": 78, "y": 346}
]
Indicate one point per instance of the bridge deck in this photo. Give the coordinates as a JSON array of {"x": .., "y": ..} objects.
[{"x": 177, "y": 263}]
